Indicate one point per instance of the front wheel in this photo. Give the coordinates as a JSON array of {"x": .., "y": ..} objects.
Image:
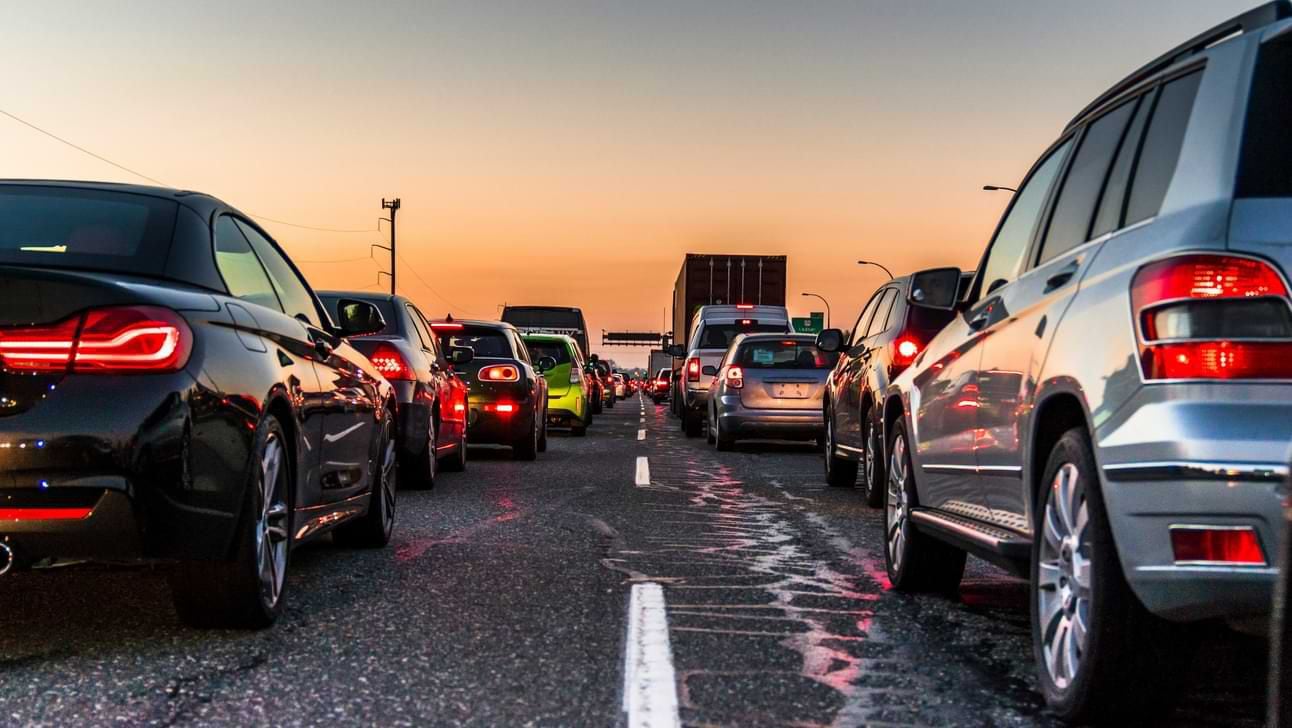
[
  {"x": 915, "y": 561},
  {"x": 373, "y": 529},
  {"x": 1100, "y": 654}
]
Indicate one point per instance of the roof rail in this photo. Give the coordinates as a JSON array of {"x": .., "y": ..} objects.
[{"x": 1253, "y": 19}]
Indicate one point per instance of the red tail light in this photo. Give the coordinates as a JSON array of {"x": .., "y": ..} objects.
[
  {"x": 735, "y": 377},
  {"x": 500, "y": 373},
  {"x": 745, "y": 306},
  {"x": 693, "y": 369},
  {"x": 1217, "y": 545},
  {"x": 1208, "y": 316},
  {"x": 904, "y": 350},
  {"x": 118, "y": 340},
  {"x": 502, "y": 408},
  {"x": 446, "y": 326},
  {"x": 387, "y": 360}
]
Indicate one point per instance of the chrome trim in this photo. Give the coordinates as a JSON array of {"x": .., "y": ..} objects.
[
  {"x": 6, "y": 558},
  {"x": 849, "y": 448},
  {"x": 1186, "y": 470},
  {"x": 975, "y": 469},
  {"x": 1200, "y": 569}
]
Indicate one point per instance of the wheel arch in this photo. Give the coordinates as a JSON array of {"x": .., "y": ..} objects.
[{"x": 1060, "y": 409}]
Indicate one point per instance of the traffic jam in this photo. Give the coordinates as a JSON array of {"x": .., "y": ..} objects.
[{"x": 1051, "y": 489}]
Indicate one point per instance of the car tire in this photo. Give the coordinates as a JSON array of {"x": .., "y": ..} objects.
[
  {"x": 373, "y": 529},
  {"x": 542, "y": 436},
  {"x": 596, "y": 406},
  {"x": 1100, "y": 655},
  {"x": 692, "y": 424},
  {"x": 457, "y": 462},
  {"x": 526, "y": 446},
  {"x": 610, "y": 402},
  {"x": 709, "y": 434},
  {"x": 722, "y": 440},
  {"x": 872, "y": 470},
  {"x": 839, "y": 472},
  {"x": 579, "y": 430},
  {"x": 247, "y": 592},
  {"x": 915, "y": 561},
  {"x": 424, "y": 466}
]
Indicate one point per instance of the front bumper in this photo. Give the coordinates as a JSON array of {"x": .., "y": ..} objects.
[
  {"x": 769, "y": 423},
  {"x": 1197, "y": 455}
]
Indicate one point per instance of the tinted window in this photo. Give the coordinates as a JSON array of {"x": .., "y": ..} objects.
[
  {"x": 485, "y": 342},
  {"x": 879, "y": 324},
  {"x": 383, "y": 305},
  {"x": 1161, "y": 149},
  {"x": 555, "y": 349},
  {"x": 1114, "y": 199},
  {"x": 783, "y": 354},
  {"x": 67, "y": 228},
  {"x": 522, "y": 352},
  {"x": 295, "y": 296},
  {"x": 867, "y": 313},
  {"x": 1005, "y": 257},
  {"x": 423, "y": 333},
  {"x": 242, "y": 271},
  {"x": 1265, "y": 169},
  {"x": 1075, "y": 209},
  {"x": 719, "y": 336}
]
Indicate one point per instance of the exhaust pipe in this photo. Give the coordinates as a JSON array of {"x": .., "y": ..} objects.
[{"x": 6, "y": 558}]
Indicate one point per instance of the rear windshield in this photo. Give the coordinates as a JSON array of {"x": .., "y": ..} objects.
[
  {"x": 719, "y": 336},
  {"x": 384, "y": 305},
  {"x": 487, "y": 343},
  {"x": 783, "y": 354},
  {"x": 555, "y": 349},
  {"x": 1265, "y": 169},
  {"x": 95, "y": 229}
]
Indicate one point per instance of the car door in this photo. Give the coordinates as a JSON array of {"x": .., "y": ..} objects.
[
  {"x": 847, "y": 381},
  {"x": 436, "y": 378},
  {"x": 349, "y": 393},
  {"x": 1026, "y": 311}
]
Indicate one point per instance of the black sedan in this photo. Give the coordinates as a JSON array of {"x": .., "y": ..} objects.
[{"x": 172, "y": 390}]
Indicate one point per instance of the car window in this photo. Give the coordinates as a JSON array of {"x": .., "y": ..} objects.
[
  {"x": 423, "y": 331},
  {"x": 486, "y": 343},
  {"x": 1267, "y": 157},
  {"x": 292, "y": 292},
  {"x": 879, "y": 324},
  {"x": 522, "y": 352},
  {"x": 241, "y": 269},
  {"x": 1075, "y": 209},
  {"x": 1005, "y": 256},
  {"x": 1161, "y": 149},
  {"x": 719, "y": 336},
  {"x": 558, "y": 350},
  {"x": 783, "y": 354},
  {"x": 863, "y": 320},
  {"x": 1113, "y": 202}
]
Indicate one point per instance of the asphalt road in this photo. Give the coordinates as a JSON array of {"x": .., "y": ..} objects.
[{"x": 506, "y": 596}]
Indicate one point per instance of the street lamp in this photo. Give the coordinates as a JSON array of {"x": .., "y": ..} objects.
[
  {"x": 998, "y": 188},
  {"x": 879, "y": 266},
  {"x": 827, "y": 306}
]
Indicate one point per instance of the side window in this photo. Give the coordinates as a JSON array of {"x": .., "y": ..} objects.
[
  {"x": 242, "y": 271},
  {"x": 1114, "y": 199},
  {"x": 1161, "y": 151},
  {"x": 296, "y": 297},
  {"x": 1005, "y": 257},
  {"x": 522, "y": 351},
  {"x": 423, "y": 333},
  {"x": 884, "y": 314},
  {"x": 1075, "y": 209},
  {"x": 863, "y": 321}
]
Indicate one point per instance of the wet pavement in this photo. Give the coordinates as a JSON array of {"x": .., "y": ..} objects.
[{"x": 504, "y": 600}]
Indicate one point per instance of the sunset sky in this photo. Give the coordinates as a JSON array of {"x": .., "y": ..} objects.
[{"x": 571, "y": 152}]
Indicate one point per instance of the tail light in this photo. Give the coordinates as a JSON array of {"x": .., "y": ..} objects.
[
  {"x": 118, "y": 340},
  {"x": 735, "y": 377},
  {"x": 502, "y": 408},
  {"x": 575, "y": 376},
  {"x": 1216, "y": 545},
  {"x": 904, "y": 350},
  {"x": 500, "y": 373},
  {"x": 387, "y": 360},
  {"x": 693, "y": 369},
  {"x": 1207, "y": 316}
]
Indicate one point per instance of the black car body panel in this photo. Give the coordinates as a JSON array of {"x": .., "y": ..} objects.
[{"x": 496, "y": 344}]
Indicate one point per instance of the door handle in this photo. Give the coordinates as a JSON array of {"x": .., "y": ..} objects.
[{"x": 1061, "y": 279}]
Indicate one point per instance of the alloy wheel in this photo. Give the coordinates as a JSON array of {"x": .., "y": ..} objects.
[
  {"x": 272, "y": 521},
  {"x": 898, "y": 505},
  {"x": 871, "y": 450},
  {"x": 1064, "y": 577},
  {"x": 388, "y": 482}
]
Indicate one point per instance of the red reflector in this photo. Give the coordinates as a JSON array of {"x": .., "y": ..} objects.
[
  {"x": 118, "y": 340},
  {"x": 1219, "y": 360},
  {"x": 387, "y": 360},
  {"x": 44, "y": 514},
  {"x": 500, "y": 373},
  {"x": 1217, "y": 545},
  {"x": 504, "y": 408}
]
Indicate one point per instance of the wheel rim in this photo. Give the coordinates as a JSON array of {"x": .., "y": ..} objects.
[
  {"x": 387, "y": 474},
  {"x": 870, "y": 457},
  {"x": 1064, "y": 573},
  {"x": 271, "y": 524},
  {"x": 433, "y": 443},
  {"x": 897, "y": 508},
  {"x": 829, "y": 443}
]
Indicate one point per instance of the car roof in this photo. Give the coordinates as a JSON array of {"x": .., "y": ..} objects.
[
  {"x": 499, "y": 325},
  {"x": 199, "y": 201}
]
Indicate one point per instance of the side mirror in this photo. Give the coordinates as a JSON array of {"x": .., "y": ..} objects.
[
  {"x": 830, "y": 340},
  {"x": 677, "y": 351},
  {"x": 709, "y": 371},
  {"x": 358, "y": 318},
  {"x": 546, "y": 364},
  {"x": 935, "y": 288},
  {"x": 461, "y": 354}
]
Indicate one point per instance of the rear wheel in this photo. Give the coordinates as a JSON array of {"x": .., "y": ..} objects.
[
  {"x": 542, "y": 436},
  {"x": 872, "y": 473},
  {"x": 915, "y": 561},
  {"x": 457, "y": 462},
  {"x": 247, "y": 592},
  {"x": 839, "y": 472},
  {"x": 374, "y": 528},
  {"x": 526, "y": 445},
  {"x": 722, "y": 440},
  {"x": 425, "y": 465},
  {"x": 1100, "y": 654},
  {"x": 692, "y": 424}
]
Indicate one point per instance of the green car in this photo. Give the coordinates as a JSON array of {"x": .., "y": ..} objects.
[{"x": 567, "y": 400}]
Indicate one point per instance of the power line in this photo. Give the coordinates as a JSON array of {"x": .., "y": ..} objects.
[
  {"x": 311, "y": 227},
  {"x": 428, "y": 287},
  {"x": 318, "y": 261}
]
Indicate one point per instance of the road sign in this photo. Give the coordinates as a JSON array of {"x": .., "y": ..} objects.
[{"x": 812, "y": 325}]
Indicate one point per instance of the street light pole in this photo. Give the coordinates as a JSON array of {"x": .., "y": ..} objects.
[
  {"x": 879, "y": 266},
  {"x": 827, "y": 306}
]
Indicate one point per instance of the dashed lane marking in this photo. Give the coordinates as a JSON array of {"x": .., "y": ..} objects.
[
  {"x": 643, "y": 471},
  {"x": 650, "y": 686},
  {"x": 641, "y": 434}
]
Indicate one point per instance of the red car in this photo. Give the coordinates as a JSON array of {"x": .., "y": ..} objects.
[{"x": 659, "y": 386}]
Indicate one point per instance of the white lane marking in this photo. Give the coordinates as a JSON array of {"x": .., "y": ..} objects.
[
  {"x": 650, "y": 687},
  {"x": 341, "y": 434},
  {"x": 642, "y": 419},
  {"x": 641, "y": 434},
  {"x": 643, "y": 471}
]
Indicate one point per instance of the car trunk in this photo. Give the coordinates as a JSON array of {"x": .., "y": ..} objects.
[{"x": 783, "y": 388}]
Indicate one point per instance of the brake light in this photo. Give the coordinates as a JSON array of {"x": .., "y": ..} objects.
[
  {"x": 446, "y": 326},
  {"x": 118, "y": 340},
  {"x": 904, "y": 350},
  {"x": 390, "y": 363},
  {"x": 1217, "y": 545},
  {"x": 735, "y": 377},
  {"x": 502, "y": 408},
  {"x": 575, "y": 376},
  {"x": 693, "y": 369},
  {"x": 500, "y": 373},
  {"x": 1208, "y": 316},
  {"x": 745, "y": 306}
]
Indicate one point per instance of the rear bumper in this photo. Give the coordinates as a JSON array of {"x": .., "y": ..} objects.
[
  {"x": 697, "y": 401},
  {"x": 568, "y": 409},
  {"x": 771, "y": 423},
  {"x": 113, "y": 531},
  {"x": 493, "y": 428}
]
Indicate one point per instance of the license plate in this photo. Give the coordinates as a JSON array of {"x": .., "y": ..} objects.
[{"x": 790, "y": 390}]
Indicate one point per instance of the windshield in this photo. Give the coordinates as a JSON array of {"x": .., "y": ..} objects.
[
  {"x": 78, "y": 228},
  {"x": 719, "y": 336},
  {"x": 784, "y": 354},
  {"x": 555, "y": 349}
]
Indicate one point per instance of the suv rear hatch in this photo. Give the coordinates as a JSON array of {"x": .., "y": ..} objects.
[
  {"x": 1261, "y": 222},
  {"x": 782, "y": 374}
]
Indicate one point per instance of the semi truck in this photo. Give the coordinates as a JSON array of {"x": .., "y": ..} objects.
[{"x": 724, "y": 279}]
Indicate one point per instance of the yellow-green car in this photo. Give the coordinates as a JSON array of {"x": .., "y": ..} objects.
[{"x": 567, "y": 398}]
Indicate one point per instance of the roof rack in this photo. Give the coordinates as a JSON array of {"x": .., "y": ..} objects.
[{"x": 1253, "y": 19}]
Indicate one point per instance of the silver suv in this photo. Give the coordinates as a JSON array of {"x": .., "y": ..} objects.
[{"x": 1109, "y": 412}]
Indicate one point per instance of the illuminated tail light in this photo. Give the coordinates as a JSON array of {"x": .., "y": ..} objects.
[
  {"x": 1194, "y": 544},
  {"x": 119, "y": 340},
  {"x": 1208, "y": 316},
  {"x": 745, "y": 306},
  {"x": 387, "y": 360},
  {"x": 735, "y": 377},
  {"x": 500, "y": 373},
  {"x": 446, "y": 326},
  {"x": 693, "y": 369},
  {"x": 904, "y": 350},
  {"x": 575, "y": 376},
  {"x": 502, "y": 408}
]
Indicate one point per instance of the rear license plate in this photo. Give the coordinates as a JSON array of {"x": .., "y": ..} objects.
[{"x": 790, "y": 390}]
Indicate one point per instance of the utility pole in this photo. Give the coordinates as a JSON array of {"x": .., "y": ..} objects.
[{"x": 393, "y": 206}]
